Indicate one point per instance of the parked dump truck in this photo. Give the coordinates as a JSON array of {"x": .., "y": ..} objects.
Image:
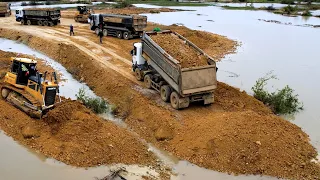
[
  {"x": 121, "y": 26},
  {"x": 83, "y": 14},
  {"x": 177, "y": 84},
  {"x": 38, "y": 16},
  {"x": 5, "y": 10}
]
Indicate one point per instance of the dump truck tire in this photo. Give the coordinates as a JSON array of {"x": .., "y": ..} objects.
[
  {"x": 39, "y": 23},
  {"x": 147, "y": 81},
  {"x": 4, "y": 93},
  {"x": 105, "y": 32},
  {"x": 165, "y": 92},
  {"x": 174, "y": 99},
  {"x": 22, "y": 22},
  {"x": 29, "y": 22},
  {"x": 97, "y": 31},
  {"x": 138, "y": 74},
  {"x": 45, "y": 23},
  {"x": 51, "y": 24},
  {"x": 126, "y": 35},
  {"x": 119, "y": 34},
  {"x": 178, "y": 102}
]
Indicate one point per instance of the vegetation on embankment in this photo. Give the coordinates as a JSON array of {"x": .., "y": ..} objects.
[
  {"x": 281, "y": 102},
  {"x": 303, "y": 10}
]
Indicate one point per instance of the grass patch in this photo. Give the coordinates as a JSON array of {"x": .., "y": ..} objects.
[
  {"x": 97, "y": 105},
  {"x": 240, "y": 8},
  {"x": 306, "y": 13},
  {"x": 281, "y": 102},
  {"x": 169, "y": 3}
]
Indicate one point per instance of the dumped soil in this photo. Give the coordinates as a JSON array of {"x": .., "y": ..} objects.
[
  {"x": 237, "y": 131},
  {"x": 214, "y": 45},
  {"x": 71, "y": 133},
  {"x": 247, "y": 143},
  {"x": 174, "y": 46}
]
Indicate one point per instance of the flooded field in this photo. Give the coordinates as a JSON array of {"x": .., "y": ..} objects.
[{"x": 287, "y": 50}]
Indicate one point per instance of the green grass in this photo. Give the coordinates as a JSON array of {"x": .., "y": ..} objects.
[
  {"x": 240, "y": 8},
  {"x": 168, "y": 3}
]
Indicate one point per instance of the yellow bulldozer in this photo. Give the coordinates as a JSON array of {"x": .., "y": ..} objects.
[
  {"x": 29, "y": 90},
  {"x": 83, "y": 14}
]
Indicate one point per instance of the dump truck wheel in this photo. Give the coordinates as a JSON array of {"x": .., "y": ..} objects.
[
  {"x": 165, "y": 92},
  {"x": 45, "y": 23},
  {"x": 105, "y": 32},
  {"x": 138, "y": 74},
  {"x": 5, "y": 92},
  {"x": 126, "y": 35},
  {"x": 147, "y": 81},
  {"x": 174, "y": 99},
  {"x": 29, "y": 22},
  {"x": 51, "y": 24},
  {"x": 97, "y": 31},
  {"x": 119, "y": 34},
  {"x": 40, "y": 23},
  {"x": 22, "y": 22}
]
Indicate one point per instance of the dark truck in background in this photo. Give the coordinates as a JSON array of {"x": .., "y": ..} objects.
[
  {"x": 38, "y": 16},
  {"x": 121, "y": 26},
  {"x": 5, "y": 10}
]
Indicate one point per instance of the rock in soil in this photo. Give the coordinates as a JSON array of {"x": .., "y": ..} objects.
[
  {"x": 163, "y": 134},
  {"x": 29, "y": 132}
]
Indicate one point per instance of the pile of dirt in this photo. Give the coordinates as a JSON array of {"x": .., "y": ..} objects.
[
  {"x": 230, "y": 135},
  {"x": 174, "y": 46},
  {"x": 214, "y": 45},
  {"x": 247, "y": 143}
]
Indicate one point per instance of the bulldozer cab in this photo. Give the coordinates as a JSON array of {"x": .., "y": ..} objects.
[{"x": 24, "y": 69}]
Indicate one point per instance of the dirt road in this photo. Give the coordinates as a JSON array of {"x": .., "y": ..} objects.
[{"x": 237, "y": 134}]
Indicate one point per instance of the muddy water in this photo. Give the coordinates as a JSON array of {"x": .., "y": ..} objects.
[
  {"x": 19, "y": 162},
  {"x": 290, "y": 51}
]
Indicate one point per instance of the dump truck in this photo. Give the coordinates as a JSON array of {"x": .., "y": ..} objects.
[
  {"x": 83, "y": 14},
  {"x": 38, "y": 16},
  {"x": 121, "y": 26},
  {"x": 5, "y": 10},
  {"x": 177, "y": 85},
  {"x": 29, "y": 90}
]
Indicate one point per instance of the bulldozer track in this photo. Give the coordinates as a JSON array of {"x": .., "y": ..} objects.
[{"x": 26, "y": 95}]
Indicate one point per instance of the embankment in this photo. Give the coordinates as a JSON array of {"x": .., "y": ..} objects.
[{"x": 237, "y": 134}]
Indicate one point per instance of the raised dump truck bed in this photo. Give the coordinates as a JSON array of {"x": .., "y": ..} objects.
[
  {"x": 161, "y": 71},
  {"x": 38, "y": 16},
  {"x": 5, "y": 9},
  {"x": 121, "y": 26}
]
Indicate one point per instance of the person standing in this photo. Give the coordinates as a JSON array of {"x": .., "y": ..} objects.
[
  {"x": 100, "y": 34},
  {"x": 71, "y": 30}
]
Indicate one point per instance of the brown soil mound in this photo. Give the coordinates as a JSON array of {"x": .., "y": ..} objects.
[
  {"x": 247, "y": 143},
  {"x": 214, "y": 45},
  {"x": 146, "y": 114},
  {"x": 186, "y": 55}
]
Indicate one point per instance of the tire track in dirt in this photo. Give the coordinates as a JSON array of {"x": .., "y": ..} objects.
[{"x": 44, "y": 33}]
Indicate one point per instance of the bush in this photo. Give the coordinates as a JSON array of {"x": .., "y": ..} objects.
[
  {"x": 270, "y": 8},
  {"x": 122, "y": 4},
  {"x": 306, "y": 13},
  {"x": 281, "y": 102},
  {"x": 287, "y": 2},
  {"x": 97, "y": 105},
  {"x": 289, "y": 9}
]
